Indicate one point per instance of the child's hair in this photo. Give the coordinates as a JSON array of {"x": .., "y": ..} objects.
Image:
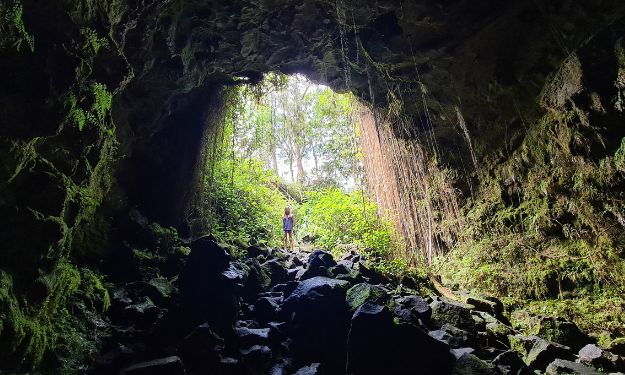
[{"x": 287, "y": 210}]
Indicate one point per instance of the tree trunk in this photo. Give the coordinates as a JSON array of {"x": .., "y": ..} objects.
[
  {"x": 273, "y": 149},
  {"x": 301, "y": 174}
]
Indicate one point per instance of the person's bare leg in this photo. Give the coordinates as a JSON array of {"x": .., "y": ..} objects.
[
  {"x": 284, "y": 240},
  {"x": 292, "y": 241}
]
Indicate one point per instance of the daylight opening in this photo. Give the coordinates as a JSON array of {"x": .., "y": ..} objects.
[{"x": 288, "y": 142}]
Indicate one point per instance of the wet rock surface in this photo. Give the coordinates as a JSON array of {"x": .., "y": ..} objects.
[{"x": 244, "y": 316}]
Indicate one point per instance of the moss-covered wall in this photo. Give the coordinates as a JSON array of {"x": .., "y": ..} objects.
[{"x": 103, "y": 105}]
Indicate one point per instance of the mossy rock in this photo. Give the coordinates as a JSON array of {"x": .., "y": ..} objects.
[
  {"x": 363, "y": 292},
  {"x": 451, "y": 312},
  {"x": 469, "y": 364},
  {"x": 563, "y": 332}
]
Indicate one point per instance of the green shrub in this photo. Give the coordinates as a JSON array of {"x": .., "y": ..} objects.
[
  {"x": 243, "y": 203},
  {"x": 333, "y": 218}
]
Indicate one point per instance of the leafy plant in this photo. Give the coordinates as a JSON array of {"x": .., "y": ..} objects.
[
  {"x": 12, "y": 28},
  {"x": 245, "y": 205},
  {"x": 333, "y": 218}
]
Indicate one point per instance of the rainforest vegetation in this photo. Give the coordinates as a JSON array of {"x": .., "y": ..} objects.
[{"x": 456, "y": 172}]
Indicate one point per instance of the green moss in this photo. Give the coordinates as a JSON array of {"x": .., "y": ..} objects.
[
  {"x": 602, "y": 315},
  {"x": 552, "y": 230},
  {"x": 29, "y": 335},
  {"x": 361, "y": 293},
  {"x": 12, "y": 29},
  {"x": 93, "y": 291}
]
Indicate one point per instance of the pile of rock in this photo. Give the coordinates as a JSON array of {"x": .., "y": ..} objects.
[{"x": 305, "y": 313}]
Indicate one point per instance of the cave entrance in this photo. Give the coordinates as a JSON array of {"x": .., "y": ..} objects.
[{"x": 289, "y": 142}]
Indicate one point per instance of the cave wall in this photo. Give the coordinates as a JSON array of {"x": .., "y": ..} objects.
[{"x": 104, "y": 103}]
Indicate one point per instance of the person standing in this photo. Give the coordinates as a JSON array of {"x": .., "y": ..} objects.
[{"x": 288, "y": 222}]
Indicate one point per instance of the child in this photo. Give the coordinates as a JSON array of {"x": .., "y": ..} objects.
[{"x": 287, "y": 225}]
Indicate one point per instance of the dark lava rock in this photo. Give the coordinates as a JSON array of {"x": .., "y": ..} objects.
[
  {"x": 561, "y": 366},
  {"x": 451, "y": 312},
  {"x": 255, "y": 251},
  {"x": 209, "y": 286},
  {"x": 160, "y": 290},
  {"x": 258, "y": 279},
  {"x": 446, "y": 337},
  {"x": 313, "y": 272},
  {"x": 142, "y": 314},
  {"x": 277, "y": 272},
  {"x": 230, "y": 366},
  {"x": 257, "y": 358},
  {"x": 320, "y": 258},
  {"x": 340, "y": 269},
  {"x": 247, "y": 337},
  {"x": 266, "y": 309},
  {"x": 316, "y": 288},
  {"x": 522, "y": 344},
  {"x": 463, "y": 337},
  {"x": 458, "y": 352},
  {"x": 163, "y": 366},
  {"x": 318, "y": 322},
  {"x": 563, "y": 332},
  {"x": 469, "y": 364},
  {"x": 544, "y": 352},
  {"x": 377, "y": 345},
  {"x": 200, "y": 349},
  {"x": 593, "y": 355},
  {"x": 312, "y": 369},
  {"x": 361, "y": 293},
  {"x": 617, "y": 346},
  {"x": 293, "y": 262},
  {"x": 410, "y": 308},
  {"x": 510, "y": 362}
]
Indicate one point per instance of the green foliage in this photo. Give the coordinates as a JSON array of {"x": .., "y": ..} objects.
[
  {"x": 333, "y": 218},
  {"x": 602, "y": 314},
  {"x": 244, "y": 202},
  {"x": 92, "y": 41},
  {"x": 29, "y": 332},
  {"x": 553, "y": 231},
  {"x": 12, "y": 29},
  {"x": 92, "y": 109}
]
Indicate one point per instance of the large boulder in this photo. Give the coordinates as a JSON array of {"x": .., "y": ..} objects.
[
  {"x": 162, "y": 366},
  {"x": 451, "y": 312},
  {"x": 469, "y": 364},
  {"x": 316, "y": 288},
  {"x": 276, "y": 270},
  {"x": 561, "y": 366},
  {"x": 318, "y": 322},
  {"x": 320, "y": 258},
  {"x": 563, "y": 332},
  {"x": 258, "y": 280},
  {"x": 200, "y": 349},
  {"x": 510, "y": 362},
  {"x": 412, "y": 309},
  {"x": 544, "y": 352},
  {"x": 248, "y": 337},
  {"x": 319, "y": 264},
  {"x": 257, "y": 359},
  {"x": 209, "y": 286},
  {"x": 594, "y": 356},
  {"x": 377, "y": 345},
  {"x": 312, "y": 369},
  {"x": 363, "y": 292},
  {"x": 266, "y": 309}
]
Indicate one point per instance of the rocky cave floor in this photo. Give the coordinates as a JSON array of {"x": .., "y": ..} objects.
[{"x": 274, "y": 312}]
